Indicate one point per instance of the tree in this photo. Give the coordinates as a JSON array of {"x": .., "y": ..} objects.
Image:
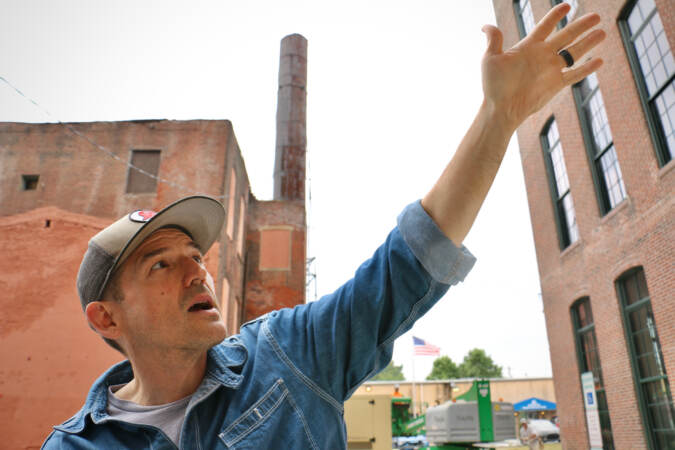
[
  {"x": 444, "y": 368},
  {"x": 478, "y": 364},
  {"x": 391, "y": 372}
]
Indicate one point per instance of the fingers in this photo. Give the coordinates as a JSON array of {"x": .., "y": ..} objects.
[
  {"x": 580, "y": 48},
  {"x": 495, "y": 39},
  {"x": 579, "y": 73},
  {"x": 550, "y": 20},
  {"x": 573, "y": 30}
]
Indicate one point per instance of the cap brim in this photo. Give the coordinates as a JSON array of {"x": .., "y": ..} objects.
[{"x": 201, "y": 217}]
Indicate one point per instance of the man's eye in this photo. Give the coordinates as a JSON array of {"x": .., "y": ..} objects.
[
  {"x": 198, "y": 258},
  {"x": 158, "y": 265}
]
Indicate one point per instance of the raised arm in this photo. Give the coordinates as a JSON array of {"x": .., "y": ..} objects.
[{"x": 516, "y": 83}]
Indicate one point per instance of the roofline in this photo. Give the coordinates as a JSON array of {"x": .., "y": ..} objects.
[
  {"x": 455, "y": 380},
  {"x": 138, "y": 121}
]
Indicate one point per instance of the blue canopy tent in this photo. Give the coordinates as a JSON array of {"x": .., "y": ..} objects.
[{"x": 534, "y": 404}]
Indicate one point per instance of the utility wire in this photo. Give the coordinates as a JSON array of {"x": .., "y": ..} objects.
[{"x": 108, "y": 152}]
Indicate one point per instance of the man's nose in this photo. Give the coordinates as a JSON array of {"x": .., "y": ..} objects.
[{"x": 193, "y": 271}]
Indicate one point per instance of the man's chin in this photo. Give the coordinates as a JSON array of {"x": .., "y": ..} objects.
[{"x": 219, "y": 333}]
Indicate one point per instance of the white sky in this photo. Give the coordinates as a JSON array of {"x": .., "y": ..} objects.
[{"x": 392, "y": 87}]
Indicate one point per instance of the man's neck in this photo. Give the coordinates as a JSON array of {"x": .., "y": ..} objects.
[{"x": 164, "y": 378}]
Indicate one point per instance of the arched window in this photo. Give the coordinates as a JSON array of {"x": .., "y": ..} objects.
[
  {"x": 649, "y": 372},
  {"x": 574, "y": 5},
  {"x": 524, "y": 16},
  {"x": 565, "y": 216},
  {"x": 599, "y": 142},
  {"x": 653, "y": 65},
  {"x": 589, "y": 361}
]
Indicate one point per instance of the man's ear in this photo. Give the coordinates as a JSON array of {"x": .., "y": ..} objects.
[{"x": 101, "y": 318}]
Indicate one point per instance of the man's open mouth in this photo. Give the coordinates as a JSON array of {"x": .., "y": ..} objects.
[
  {"x": 200, "y": 306},
  {"x": 201, "y": 303}
]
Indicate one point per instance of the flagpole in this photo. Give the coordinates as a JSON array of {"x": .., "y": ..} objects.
[
  {"x": 422, "y": 397},
  {"x": 413, "y": 381}
]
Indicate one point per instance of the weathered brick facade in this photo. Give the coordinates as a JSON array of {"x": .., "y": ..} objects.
[
  {"x": 282, "y": 285},
  {"x": 637, "y": 232},
  {"x": 50, "y": 356},
  {"x": 199, "y": 156}
]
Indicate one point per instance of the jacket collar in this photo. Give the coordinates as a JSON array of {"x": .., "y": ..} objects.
[{"x": 224, "y": 366}]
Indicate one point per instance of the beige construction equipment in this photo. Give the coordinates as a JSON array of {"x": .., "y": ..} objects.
[{"x": 368, "y": 422}]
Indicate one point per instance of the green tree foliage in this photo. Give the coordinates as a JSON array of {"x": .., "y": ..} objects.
[
  {"x": 390, "y": 373},
  {"x": 443, "y": 369},
  {"x": 478, "y": 364}
]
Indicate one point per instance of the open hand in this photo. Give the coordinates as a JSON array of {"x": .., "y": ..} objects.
[{"x": 521, "y": 80}]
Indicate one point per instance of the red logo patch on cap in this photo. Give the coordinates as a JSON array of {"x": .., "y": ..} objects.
[{"x": 141, "y": 216}]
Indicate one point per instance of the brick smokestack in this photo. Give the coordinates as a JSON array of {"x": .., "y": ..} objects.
[{"x": 289, "y": 163}]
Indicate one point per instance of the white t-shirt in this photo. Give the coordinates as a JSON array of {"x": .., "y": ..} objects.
[
  {"x": 525, "y": 434},
  {"x": 168, "y": 417}
]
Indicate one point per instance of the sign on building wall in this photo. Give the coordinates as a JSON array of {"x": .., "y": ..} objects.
[{"x": 592, "y": 416}]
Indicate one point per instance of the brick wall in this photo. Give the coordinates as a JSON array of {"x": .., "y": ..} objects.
[
  {"x": 50, "y": 356},
  {"x": 200, "y": 155},
  {"x": 275, "y": 285},
  {"x": 637, "y": 232},
  {"x": 77, "y": 177}
]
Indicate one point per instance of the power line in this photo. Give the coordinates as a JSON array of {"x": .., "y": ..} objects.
[{"x": 108, "y": 152}]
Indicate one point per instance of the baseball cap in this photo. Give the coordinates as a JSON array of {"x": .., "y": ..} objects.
[{"x": 200, "y": 217}]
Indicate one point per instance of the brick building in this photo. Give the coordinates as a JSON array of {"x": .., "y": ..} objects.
[
  {"x": 598, "y": 166},
  {"x": 62, "y": 183}
]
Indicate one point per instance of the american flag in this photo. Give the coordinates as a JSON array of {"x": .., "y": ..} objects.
[{"x": 422, "y": 347}]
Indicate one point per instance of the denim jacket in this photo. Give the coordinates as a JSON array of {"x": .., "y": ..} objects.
[{"x": 282, "y": 381}]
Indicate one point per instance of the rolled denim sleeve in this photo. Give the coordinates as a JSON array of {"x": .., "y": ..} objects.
[
  {"x": 346, "y": 337},
  {"x": 445, "y": 262}
]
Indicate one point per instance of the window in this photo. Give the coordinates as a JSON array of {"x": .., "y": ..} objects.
[
  {"x": 560, "y": 187},
  {"x": 589, "y": 361},
  {"x": 225, "y": 298},
  {"x": 29, "y": 182},
  {"x": 524, "y": 17},
  {"x": 649, "y": 372},
  {"x": 599, "y": 143},
  {"x": 240, "y": 229},
  {"x": 653, "y": 67},
  {"x": 574, "y": 5},
  {"x": 235, "y": 317},
  {"x": 275, "y": 249},
  {"x": 230, "y": 204},
  {"x": 143, "y": 181}
]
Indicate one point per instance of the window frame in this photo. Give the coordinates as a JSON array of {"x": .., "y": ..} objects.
[
  {"x": 519, "y": 17},
  {"x": 638, "y": 381},
  {"x": 564, "y": 238},
  {"x": 133, "y": 152},
  {"x": 563, "y": 23},
  {"x": 578, "y": 331},
  {"x": 30, "y": 182},
  {"x": 651, "y": 115},
  {"x": 601, "y": 191}
]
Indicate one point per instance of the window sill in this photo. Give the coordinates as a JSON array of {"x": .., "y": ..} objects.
[
  {"x": 665, "y": 170},
  {"x": 620, "y": 207},
  {"x": 140, "y": 194},
  {"x": 571, "y": 248}
]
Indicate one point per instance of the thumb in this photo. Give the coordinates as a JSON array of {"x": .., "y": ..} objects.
[{"x": 495, "y": 39}]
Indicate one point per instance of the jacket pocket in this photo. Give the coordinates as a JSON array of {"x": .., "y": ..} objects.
[{"x": 274, "y": 421}]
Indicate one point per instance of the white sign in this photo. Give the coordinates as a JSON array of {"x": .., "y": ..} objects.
[
  {"x": 592, "y": 417},
  {"x": 535, "y": 405}
]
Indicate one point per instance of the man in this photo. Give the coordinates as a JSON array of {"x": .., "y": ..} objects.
[
  {"x": 528, "y": 436},
  {"x": 282, "y": 381}
]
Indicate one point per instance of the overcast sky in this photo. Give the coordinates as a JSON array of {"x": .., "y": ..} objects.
[{"x": 392, "y": 88}]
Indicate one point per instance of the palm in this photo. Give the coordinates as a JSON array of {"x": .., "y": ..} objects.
[{"x": 523, "y": 79}]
